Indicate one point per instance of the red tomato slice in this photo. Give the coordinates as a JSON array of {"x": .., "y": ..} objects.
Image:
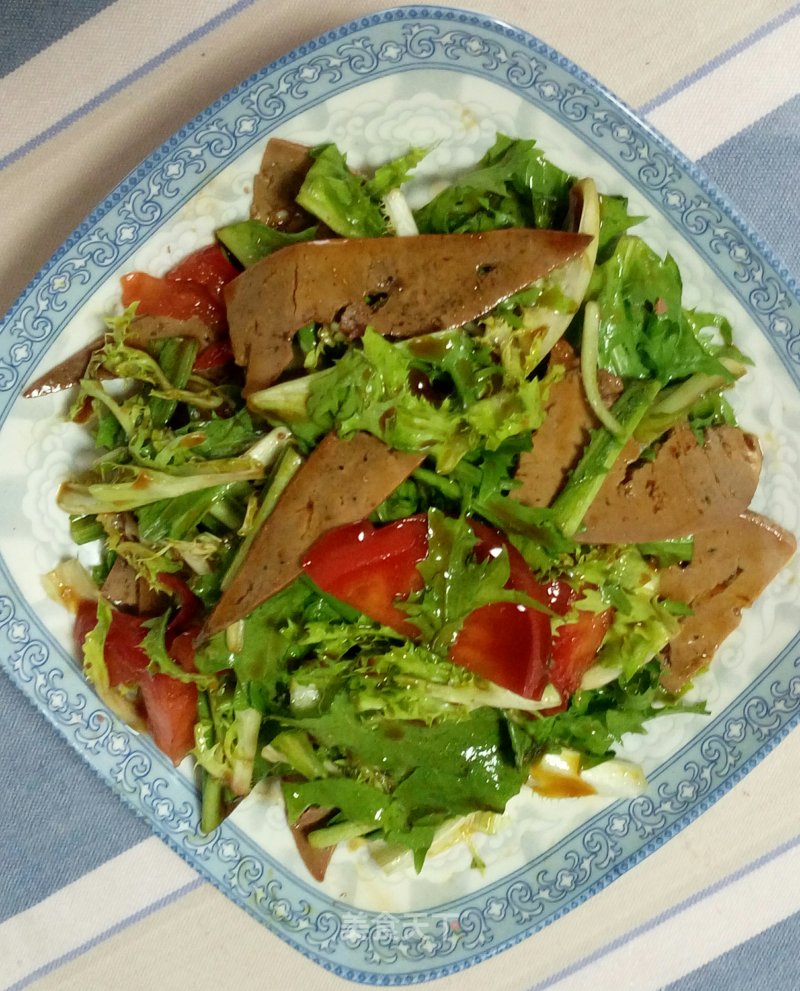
[
  {"x": 507, "y": 644},
  {"x": 181, "y": 648},
  {"x": 171, "y": 708},
  {"x": 208, "y": 266},
  {"x": 165, "y": 298},
  {"x": 560, "y": 596},
  {"x": 192, "y": 288},
  {"x": 189, "y": 606},
  {"x": 85, "y": 622},
  {"x": 371, "y": 568},
  {"x": 170, "y": 705},
  {"x": 214, "y": 355},
  {"x": 575, "y": 647},
  {"x": 124, "y": 657}
]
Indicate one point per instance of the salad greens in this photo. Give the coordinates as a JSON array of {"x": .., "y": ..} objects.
[{"x": 384, "y": 730}]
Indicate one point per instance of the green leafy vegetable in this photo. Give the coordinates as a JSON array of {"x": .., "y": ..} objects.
[
  {"x": 513, "y": 185},
  {"x": 644, "y": 331},
  {"x": 411, "y": 778},
  {"x": 447, "y": 403},
  {"x": 350, "y": 204}
]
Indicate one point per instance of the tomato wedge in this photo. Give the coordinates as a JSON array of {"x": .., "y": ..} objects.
[
  {"x": 192, "y": 288},
  {"x": 575, "y": 646},
  {"x": 125, "y": 660},
  {"x": 170, "y": 705},
  {"x": 179, "y": 300},
  {"x": 370, "y": 568},
  {"x": 184, "y": 626},
  {"x": 208, "y": 266},
  {"x": 214, "y": 355},
  {"x": 85, "y": 622},
  {"x": 189, "y": 606},
  {"x": 171, "y": 708},
  {"x": 505, "y": 642}
]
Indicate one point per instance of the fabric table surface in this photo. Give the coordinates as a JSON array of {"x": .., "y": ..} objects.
[{"x": 89, "y": 898}]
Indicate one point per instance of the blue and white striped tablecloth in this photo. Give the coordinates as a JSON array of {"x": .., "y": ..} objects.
[{"x": 88, "y": 898}]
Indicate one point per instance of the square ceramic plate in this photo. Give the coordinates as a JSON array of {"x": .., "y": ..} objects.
[{"x": 451, "y": 80}]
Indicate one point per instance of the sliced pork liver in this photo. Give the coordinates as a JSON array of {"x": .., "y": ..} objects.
[
  {"x": 65, "y": 374},
  {"x": 730, "y": 568},
  {"x": 559, "y": 442},
  {"x": 126, "y": 590},
  {"x": 275, "y": 187},
  {"x": 341, "y": 482},
  {"x": 687, "y": 488},
  {"x": 316, "y": 859},
  {"x": 401, "y": 286}
]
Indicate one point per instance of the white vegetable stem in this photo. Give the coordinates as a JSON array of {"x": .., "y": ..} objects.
[
  {"x": 589, "y": 348},
  {"x": 572, "y": 279},
  {"x": 270, "y": 446},
  {"x": 399, "y": 214}
]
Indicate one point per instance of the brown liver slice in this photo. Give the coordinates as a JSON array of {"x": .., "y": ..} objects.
[
  {"x": 283, "y": 168},
  {"x": 687, "y": 488},
  {"x": 341, "y": 482},
  {"x": 401, "y": 286},
  {"x": 316, "y": 859},
  {"x": 730, "y": 568},
  {"x": 559, "y": 442}
]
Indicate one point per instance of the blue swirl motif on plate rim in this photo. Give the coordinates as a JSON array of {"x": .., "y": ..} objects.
[{"x": 365, "y": 946}]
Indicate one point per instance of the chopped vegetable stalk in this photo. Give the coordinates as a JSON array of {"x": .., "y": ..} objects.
[
  {"x": 85, "y": 529},
  {"x": 246, "y": 726},
  {"x": 176, "y": 359},
  {"x": 602, "y": 451},
  {"x": 211, "y": 811},
  {"x": 251, "y": 240},
  {"x": 399, "y": 214},
  {"x": 677, "y": 402},
  {"x": 472, "y": 697},
  {"x": 573, "y": 279},
  {"x": 285, "y": 401},
  {"x": 343, "y": 832},
  {"x": 284, "y": 471},
  {"x": 526, "y": 326},
  {"x": 70, "y": 584},
  {"x": 267, "y": 450},
  {"x": 591, "y": 323},
  {"x": 139, "y": 486},
  {"x": 295, "y": 748}
]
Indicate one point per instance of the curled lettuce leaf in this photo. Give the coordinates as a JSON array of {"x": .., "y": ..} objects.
[
  {"x": 350, "y": 204},
  {"x": 513, "y": 185}
]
